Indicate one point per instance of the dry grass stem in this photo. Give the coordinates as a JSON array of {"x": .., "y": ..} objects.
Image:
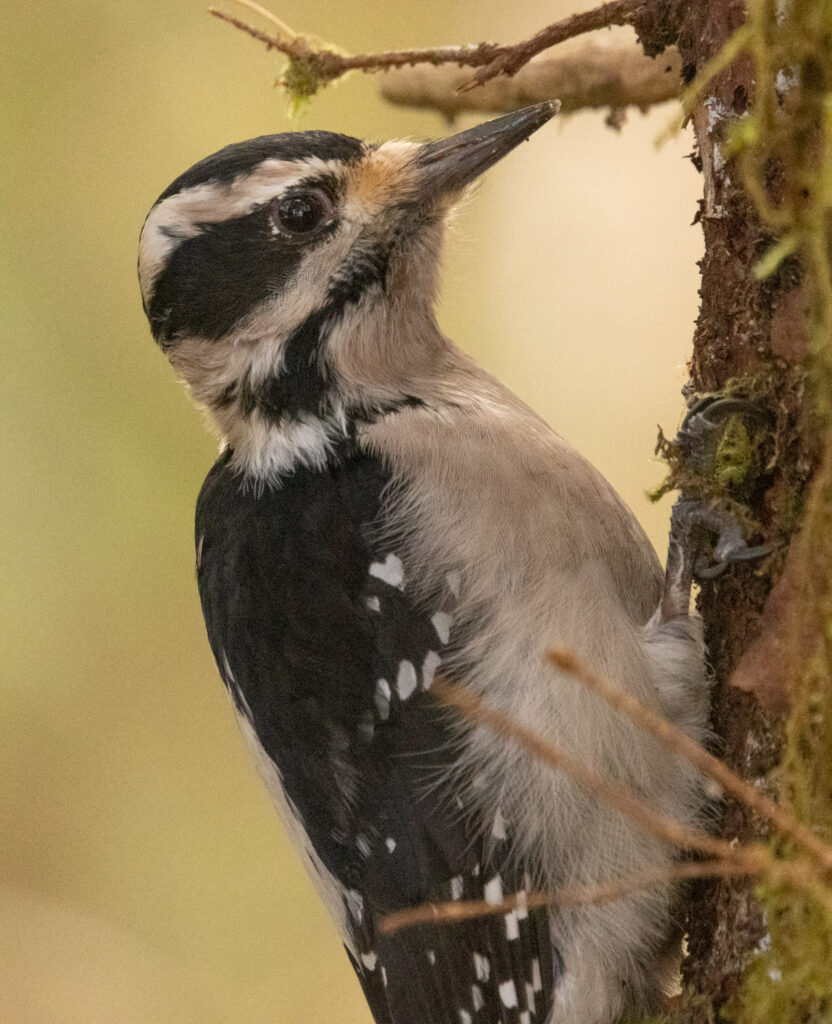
[
  {"x": 680, "y": 743},
  {"x": 662, "y": 827},
  {"x": 573, "y": 896},
  {"x": 269, "y": 16}
]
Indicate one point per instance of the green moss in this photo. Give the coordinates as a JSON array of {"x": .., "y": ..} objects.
[
  {"x": 301, "y": 81},
  {"x": 735, "y": 456},
  {"x": 789, "y": 978},
  {"x": 730, "y": 474}
]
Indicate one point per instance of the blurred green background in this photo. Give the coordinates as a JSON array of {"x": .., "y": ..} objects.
[{"x": 143, "y": 876}]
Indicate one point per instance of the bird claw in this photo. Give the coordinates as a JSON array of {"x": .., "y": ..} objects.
[
  {"x": 693, "y": 518},
  {"x": 703, "y": 571},
  {"x": 704, "y": 425},
  {"x": 730, "y": 547}
]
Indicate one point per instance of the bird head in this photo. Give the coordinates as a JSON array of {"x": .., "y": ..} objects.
[{"x": 291, "y": 278}]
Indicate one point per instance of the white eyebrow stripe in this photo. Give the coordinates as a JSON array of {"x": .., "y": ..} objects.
[{"x": 179, "y": 216}]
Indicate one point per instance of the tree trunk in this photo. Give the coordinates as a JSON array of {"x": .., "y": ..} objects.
[{"x": 749, "y": 336}]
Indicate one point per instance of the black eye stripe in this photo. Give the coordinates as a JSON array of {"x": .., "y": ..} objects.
[{"x": 214, "y": 279}]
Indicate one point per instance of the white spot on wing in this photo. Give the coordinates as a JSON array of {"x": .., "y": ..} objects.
[
  {"x": 369, "y": 960},
  {"x": 512, "y": 926},
  {"x": 373, "y": 603},
  {"x": 522, "y": 906},
  {"x": 429, "y": 667},
  {"x": 382, "y": 699},
  {"x": 537, "y": 984},
  {"x": 508, "y": 994},
  {"x": 493, "y": 890},
  {"x": 477, "y": 1000},
  {"x": 456, "y": 887},
  {"x": 464, "y": 1017},
  {"x": 390, "y": 570},
  {"x": 482, "y": 967},
  {"x": 442, "y": 623},
  {"x": 390, "y": 843},
  {"x": 525, "y": 1017},
  {"x": 530, "y": 1000},
  {"x": 406, "y": 681},
  {"x": 431, "y": 957}
]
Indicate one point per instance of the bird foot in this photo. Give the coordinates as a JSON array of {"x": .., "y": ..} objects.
[{"x": 694, "y": 521}]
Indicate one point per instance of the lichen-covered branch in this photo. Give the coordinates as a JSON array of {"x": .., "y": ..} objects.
[
  {"x": 591, "y": 73},
  {"x": 312, "y": 66}
]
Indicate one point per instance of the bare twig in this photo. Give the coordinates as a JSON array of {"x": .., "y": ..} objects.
[
  {"x": 662, "y": 827},
  {"x": 329, "y": 64},
  {"x": 589, "y": 74},
  {"x": 679, "y": 742},
  {"x": 511, "y": 58},
  {"x": 572, "y": 896},
  {"x": 322, "y": 65}
]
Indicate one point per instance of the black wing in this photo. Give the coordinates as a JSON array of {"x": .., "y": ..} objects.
[{"x": 312, "y": 625}]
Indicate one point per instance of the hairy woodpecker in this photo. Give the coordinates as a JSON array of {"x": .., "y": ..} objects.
[{"x": 382, "y": 510}]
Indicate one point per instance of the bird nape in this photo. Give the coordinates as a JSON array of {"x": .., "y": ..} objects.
[{"x": 383, "y": 510}]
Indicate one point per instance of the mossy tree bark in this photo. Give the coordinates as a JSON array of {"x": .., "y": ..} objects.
[{"x": 749, "y": 339}]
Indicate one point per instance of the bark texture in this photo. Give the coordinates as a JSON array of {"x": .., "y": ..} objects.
[{"x": 748, "y": 332}]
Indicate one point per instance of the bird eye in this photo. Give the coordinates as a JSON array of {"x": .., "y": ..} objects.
[{"x": 302, "y": 212}]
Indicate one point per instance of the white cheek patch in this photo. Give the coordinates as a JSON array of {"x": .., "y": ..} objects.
[{"x": 182, "y": 215}]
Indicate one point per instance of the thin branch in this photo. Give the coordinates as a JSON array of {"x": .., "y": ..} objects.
[
  {"x": 591, "y": 73},
  {"x": 329, "y": 64},
  {"x": 323, "y": 64},
  {"x": 572, "y": 896},
  {"x": 512, "y": 58},
  {"x": 662, "y": 827},
  {"x": 679, "y": 742}
]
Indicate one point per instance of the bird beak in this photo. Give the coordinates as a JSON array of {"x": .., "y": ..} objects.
[{"x": 448, "y": 165}]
